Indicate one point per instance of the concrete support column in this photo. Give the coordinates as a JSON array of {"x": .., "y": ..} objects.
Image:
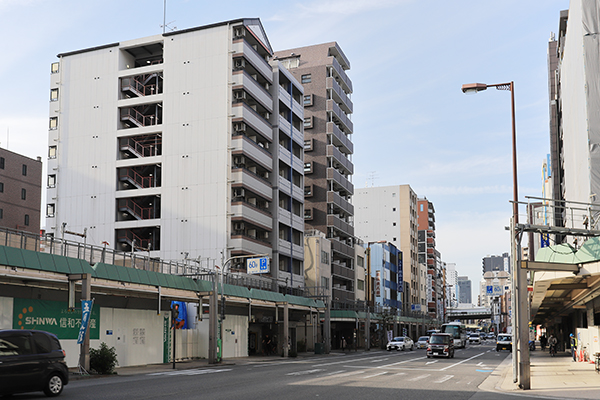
[{"x": 286, "y": 330}]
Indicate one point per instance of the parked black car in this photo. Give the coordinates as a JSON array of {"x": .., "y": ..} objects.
[{"x": 31, "y": 361}]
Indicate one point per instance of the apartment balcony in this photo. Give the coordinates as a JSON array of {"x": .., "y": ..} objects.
[
  {"x": 339, "y": 139},
  {"x": 337, "y": 68},
  {"x": 339, "y": 95},
  {"x": 289, "y": 101},
  {"x": 243, "y": 112},
  {"x": 243, "y": 48},
  {"x": 248, "y": 245},
  {"x": 341, "y": 270},
  {"x": 342, "y": 294},
  {"x": 341, "y": 248},
  {"x": 339, "y": 224},
  {"x": 286, "y": 156},
  {"x": 252, "y": 150},
  {"x": 285, "y": 125},
  {"x": 253, "y": 182},
  {"x": 341, "y": 183},
  {"x": 297, "y": 136},
  {"x": 253, "y": 88},
  {"x": 340, "y": 159},
  {"x": 249, "y": 213},
  {"x": 340, "y": 203},
  {"x": 339, "y": 115}
]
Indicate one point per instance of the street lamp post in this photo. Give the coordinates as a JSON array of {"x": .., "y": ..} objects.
[{"x": 519, "y": 293}]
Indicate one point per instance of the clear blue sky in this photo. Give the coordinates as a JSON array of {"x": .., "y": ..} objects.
[{"x": 409, "y": 59}]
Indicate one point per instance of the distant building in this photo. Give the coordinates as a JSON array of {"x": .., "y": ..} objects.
[
  {"x": 21, "y": 191},
  {"x": 384, "y": 264},
  {"x": 464, "y": 290},
  {"x": 451, "y": 285},
  {"x": 389, "y": 213},
  {"x": 496, "y": 263}
]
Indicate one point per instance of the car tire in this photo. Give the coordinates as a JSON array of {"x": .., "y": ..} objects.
[
  {"x": 428, "y": 356},
  {"x": 54, "y": 385},
  {"x": 389, "y": 349},
  {"x": 412, "y": 347}
]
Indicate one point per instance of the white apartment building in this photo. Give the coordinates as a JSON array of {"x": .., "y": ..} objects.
[
  {"x": 389, "y": 213},
  {"x": 184, "y": 145}
]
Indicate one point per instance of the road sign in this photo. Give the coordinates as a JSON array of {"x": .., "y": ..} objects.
[
  {"x": 489, "y": 290},
  {"x": 258, "y": 265}
]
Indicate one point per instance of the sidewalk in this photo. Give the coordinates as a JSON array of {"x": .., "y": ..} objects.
[{"x": 557, "y": 376}]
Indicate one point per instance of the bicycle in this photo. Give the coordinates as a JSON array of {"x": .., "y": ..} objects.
[{"x": 552, "y": 350}]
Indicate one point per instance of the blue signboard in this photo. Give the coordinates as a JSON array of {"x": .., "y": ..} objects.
[
  {"x": 86, "y": 309},
  {"x": 489, "y": 290}
]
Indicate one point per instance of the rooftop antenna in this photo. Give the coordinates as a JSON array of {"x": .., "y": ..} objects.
[
  {"x": 371, "y": 178},
  {"x": 165, "y": 25}
]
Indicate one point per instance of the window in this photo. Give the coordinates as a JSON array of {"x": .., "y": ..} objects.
[
  {"x": 23, "y": 194},
  {"x": 53, "y": 122},
  {"x": 308, "y": 122},
  {"x": 54, "y": 68},
  {"x": 308, "y": 145},
  {"x": 325, "y": 282},
  {"x": 308, "y": 168},
  {"x": 1, "y": 213},
  {"x": 1, "y": 162},
  {"x": 50, "y": 210},
  {"x": 24, "y": 170},
  {"x": 421, "y": 207},
  {"x": 308, "y": 213},
  {"x": 53, "y": 94},
  {"x": 305, "y": 78},
  {"x": 360, "y": 284},
  {"x": 26, "y": 220},
  {"x": 52, "y": 152},
  {"x": 360, "y": 261},
  {"x": 1, "y": 187},
  {"x": 51, "y": 181},
  {"x": 324, "y": 257},
  {"x": 393, "y": 224},
  {"x": 308, "y": 100},
  {"x": 394, "y": 209},
  {"x": 393, "y": 239},
  {"x": 308, "y": 191}
]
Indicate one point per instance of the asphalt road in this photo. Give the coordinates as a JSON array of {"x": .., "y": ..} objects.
[{"x": 370, "y": 375}]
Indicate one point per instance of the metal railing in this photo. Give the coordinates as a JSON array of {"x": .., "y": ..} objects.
[{"x": 200, "y": 269}]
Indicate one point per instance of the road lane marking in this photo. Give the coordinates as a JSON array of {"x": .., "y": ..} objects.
[
  {"x": 418, "y": 378},
  {"x": 400, "y": 373},
  {"x": 444, "y": 379},
  {"x": 344, "y": 361},
  {"x": 463, "y": 361},
  {"x": 401, "y": 362},
  {"x": 382, "y": 359},
  {"x": 352, "y": 373},
  {"x": 371, "y": 376},
  {"x": 310, "y": 371},
  {"x": 335, "y": 372},
  {"x": 190, "y": 372},
  {"x": 431, "y": 362}
]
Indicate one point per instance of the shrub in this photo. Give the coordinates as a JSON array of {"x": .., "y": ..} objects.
[{"x": 103, "y": 360}]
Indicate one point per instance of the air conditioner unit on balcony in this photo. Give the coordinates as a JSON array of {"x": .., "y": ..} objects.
[
  {"x": 239, "y": 95},
  {"x": 239, "y": 127},
  {"x": 266, "y": 235},
  {"x": 239, "y": 160},
  {"x": 238, "y": 226},
  {"x": 239, "y": 63},
  {"x": 266, "y": 115},
  {"x": 239, "y": 192}
]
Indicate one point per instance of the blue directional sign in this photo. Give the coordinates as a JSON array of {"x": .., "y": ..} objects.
[
  {"x": 489, "y": 290},
  {"x": 258, "y": 265}
]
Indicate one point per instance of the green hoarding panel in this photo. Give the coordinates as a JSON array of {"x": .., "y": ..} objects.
[
  {"x": 3, "y": 258},
  {"x": 46, "y": 262},
  {"x": 14, "y": 257},
  {"x": 32, "y": 261}
]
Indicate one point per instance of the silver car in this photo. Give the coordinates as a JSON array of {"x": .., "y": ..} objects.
[
  {"x": 422, "y": 342},
  {"x": 401, "y": 343}
]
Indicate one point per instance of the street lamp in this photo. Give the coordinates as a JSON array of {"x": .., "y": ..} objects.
[{"x": 519, "y": 311}]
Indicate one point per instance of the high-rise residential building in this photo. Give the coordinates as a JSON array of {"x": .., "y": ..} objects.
[
  {"x": 574, "y": 118},
  {"x": 451, "y": 285},
  {"x": 493, "y": 263},
  {"x": 428, "y": 255},
  {"x": 389, "y": 213},
  {"x": 184, "y": 145},
  {"x": 464, "y": 290},
  {"x": 21, "y": 191},
  {"x": 328, "y": 148}
]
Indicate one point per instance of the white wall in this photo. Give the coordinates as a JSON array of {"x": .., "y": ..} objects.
[
  {"x": 235, "y": 336},
  {"x": 6, "y": 312}
]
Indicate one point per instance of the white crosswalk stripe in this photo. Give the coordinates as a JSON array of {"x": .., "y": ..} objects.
[{"x": 418, "y": 378}]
